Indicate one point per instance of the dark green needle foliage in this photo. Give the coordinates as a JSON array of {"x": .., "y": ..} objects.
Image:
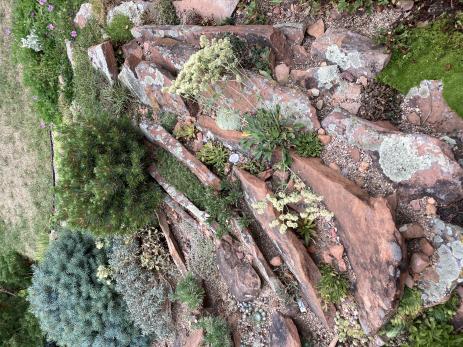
[
  {"x": 73, "y": 307},
  {"x": 15, "y": 270},
  {"x": 217, "y": 332},
  {"x": 104, "y": 186},
  {"x": 190, "y": 292}
]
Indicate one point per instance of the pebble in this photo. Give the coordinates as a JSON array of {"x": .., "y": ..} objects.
[
  {"x": 363, "y": 166},
  {"x": 314, "y": 92},
  {"x": 321, "y": 131},
  {"x": 325, "y": 139},
  {"x": 335, "y": 166},
  {"x": 319, "y": 104},
  {"x": 234, "y": 158},
  {"x": 431, "y": 210}
]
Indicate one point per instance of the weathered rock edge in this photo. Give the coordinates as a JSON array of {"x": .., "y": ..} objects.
[
  {"x": 290, "y": 247},
  {"x": 367, "y": 230}
]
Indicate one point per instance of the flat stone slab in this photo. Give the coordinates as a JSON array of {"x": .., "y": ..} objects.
[
  {"x": 216, "y": 9},
  {"x": 351, "y": 52},
  {"x": 265, "y": 35},
  {"x": 103, "y": 59},
  {"x": 418, "y": 163},
  {"x": 367, "y": 231},
  {"x": 283, "y": 332},
  {"x": 290, "y": 247},
  {"x": 256, "y": 91},
  {"x": 168, "y": 53}
]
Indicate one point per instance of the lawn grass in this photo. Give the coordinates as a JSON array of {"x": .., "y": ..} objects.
[
  {"x": 432, "y": 53},
  {"x": 26, "y": 186}
]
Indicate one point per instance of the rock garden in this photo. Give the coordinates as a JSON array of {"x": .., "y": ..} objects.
[{"x": 246, "y": 173}]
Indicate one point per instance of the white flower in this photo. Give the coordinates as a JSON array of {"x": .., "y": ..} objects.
[{"x": 32, "y": 41}]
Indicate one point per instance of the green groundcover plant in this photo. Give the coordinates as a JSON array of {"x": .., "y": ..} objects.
[
  {"x": 73, "y": 306},
  {"x": 104, "y": 186},
  {"x": 40, "y": 28}
]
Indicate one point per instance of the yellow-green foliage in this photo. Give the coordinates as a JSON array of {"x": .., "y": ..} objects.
[
  {"x": 205, "y": 67},
  {"x": 333, "y": 286},
  {"x": 190, "y": 292},
  {"x": 186, "y": 131},
  {"x": 350, "y": 332},
  {"x": 214, "y": 154}
]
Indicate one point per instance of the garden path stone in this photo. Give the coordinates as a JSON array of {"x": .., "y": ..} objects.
[
  {"x": 290, "y": 247},
  {"x": 376, "y": 258},
  {"x": 419, "y": 164}
]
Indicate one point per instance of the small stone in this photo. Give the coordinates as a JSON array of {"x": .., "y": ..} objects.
[
  {"x": 413, "y": 118},
  {"x": 409, "y": 282},
  {"x": 337, "y": 251},
  {"x": 314, "y": 92},
  {"x": 316, "y": 29},
  {"x": 281, "y": 176},
  {"x": 319, "y": 104},
  {"x": 418, "y": 262},
  {"x": 346, "y": 75},
  {"x": 335, "y": 166},
  {"x": 415, "y": 205},
  {"x": 426, "y": 247},
  {"x": 282, "y": 73},
  {"x": 265, "y": 175},
  {"x": 234, "y": 158},
  {"x": 355, "y": 154},
  {"x": 362, "y": 80},
  {"x": 321, "y": 131},
  {"x": 325, "y": 139},
  {"x": 363, "y": 166},
  {"x": 431, "y": 210},
  {"x": 431, "y": 201},
  {"x": 405, "y": 5},
  {"x": 276, "y": 261},
  {"x": 411, "y": 231},
  {"x": 323, "y": 63}
]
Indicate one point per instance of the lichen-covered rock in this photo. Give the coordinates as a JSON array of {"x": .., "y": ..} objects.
[
  {"x": 316, "y": 29},
  {"x": 351, "y": 52},
  {"x": 135, "y": 10},
  {"x": 446, "y": 272},
  {"x": 290, "y": 247},
  {"x": 217, "y": 9},
  {"x": 240, "y": 277},
  {"x": 70, "y": 51},
  {"x": 283, "y": 332},
  {"x": 425, "y": 105},
  {"x": 84, "y": 14},
  {"x": 419, "y": 164},
  {"x": 294, "y": 32},
  {"x": 158, "y": 135},
  {"x": 257, "y": 92},
  {"x": 154, "y": 79},
  {"x": 264, "y": 35},
  {"x": 375, "y": 259},
  {"x": 230, "y": 138},
  {"x": 168, "y": 53},
  {"x": 102, "y": 58}
]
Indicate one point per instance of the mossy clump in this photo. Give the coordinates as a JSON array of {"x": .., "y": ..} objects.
[
  {"x": 332, "y": 286},
  {"x": 429, "y": 53},
  {"x": 190, "y": 292},
  {"x": 214, "y": 155},
  {"x": 217, "y": 332},
  {"x": 119, "y": 29}
]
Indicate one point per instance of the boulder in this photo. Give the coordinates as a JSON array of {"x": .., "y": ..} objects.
[
  {"x": 419, "y": 164},
  {"x": 136, "y": 10},
  {"x": 242, "y": 280},
  {"x": 316, "y": 29},
  {"x": 445, "y": 273},
  {"x": 158, "y": 135},
  {"x": 376, "y": 259},
  {"x": 411, "y": 231},
  {"x": 283, "y": 332},
  {"x": 154, "y": 79},
  {"x": 425, "y": 105},
  {"x": 256, "y": 92},
  {"x": 84, "y": 14},
  {"x": 294, "y": 32},
  {"x": 351, "y": 52},
  {"x": 168, "y": 53},
  {"x": 217, "y": 9},
  {"x": 102, "y": 58},
  {"x": 288, "y": 244},
  {"x": 264, "y": 35}
]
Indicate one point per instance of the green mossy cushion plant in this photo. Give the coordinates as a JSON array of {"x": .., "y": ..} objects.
[
  {"x": 430, "y": 53},
  {"x": 104, "y": 186}
]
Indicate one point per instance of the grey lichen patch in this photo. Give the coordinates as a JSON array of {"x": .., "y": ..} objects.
[
  {"x": 400, "y": 160},
  {"x": 327, "y": 76},
  {"x": 343, "y": 60},
  {"x": 422, "y": 90}
]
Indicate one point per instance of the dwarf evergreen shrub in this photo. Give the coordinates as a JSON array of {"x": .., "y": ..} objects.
[
  {"x": 146, "y": 298},
  {"x": 119, "y": 29},
  {"x": 73, "y": 307},
  {"x": 217, "y": 332},
  {"x": 14, "y": 270},
  {"x": 103, "y": 184},
  {"x": 190, "y": 292}
]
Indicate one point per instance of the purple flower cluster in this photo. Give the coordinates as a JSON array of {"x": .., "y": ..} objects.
[{"x": 42, "y": 2}]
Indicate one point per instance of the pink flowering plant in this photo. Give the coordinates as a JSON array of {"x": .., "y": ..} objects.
[{"x": 40, "y": 28}]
